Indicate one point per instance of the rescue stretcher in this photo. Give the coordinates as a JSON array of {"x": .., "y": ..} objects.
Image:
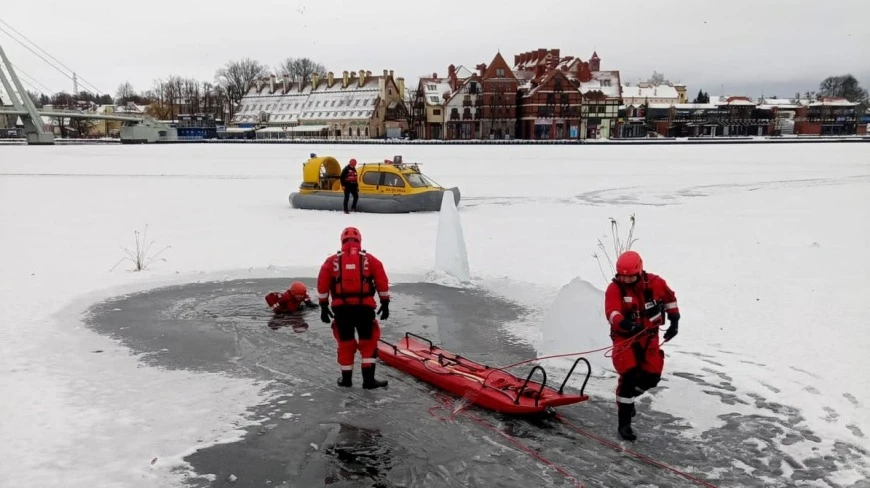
[{"x": 487, "y": 387}]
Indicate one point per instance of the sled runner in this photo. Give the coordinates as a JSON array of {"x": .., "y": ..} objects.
[{"x": 487, "y": 387}]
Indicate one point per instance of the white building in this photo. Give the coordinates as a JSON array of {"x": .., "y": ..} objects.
[
  {"x": 645, "y": 92},
  {"x": 363, "y": 106}
]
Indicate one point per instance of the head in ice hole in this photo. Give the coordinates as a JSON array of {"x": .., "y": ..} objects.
[{"x": 629, "y": 266}]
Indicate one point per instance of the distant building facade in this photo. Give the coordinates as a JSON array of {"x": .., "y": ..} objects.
[{"x": 355, "y": 106}]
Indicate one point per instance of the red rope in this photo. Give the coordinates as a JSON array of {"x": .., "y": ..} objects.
[
  {"x": 446, "y": 404},
  {"x": 646, "y": 459}
]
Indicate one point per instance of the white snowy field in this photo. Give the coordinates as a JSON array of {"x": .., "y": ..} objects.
[{"x": 765, "y": 246}]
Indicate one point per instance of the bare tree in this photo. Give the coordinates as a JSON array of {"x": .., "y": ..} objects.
[
  {"x": 415, "y": 111},
  {"x": 125, "y": 93},
  {"x": 301, "y": 69},
  {"x": 235, "y": 78},
  {"x": 657, "y": 78}
]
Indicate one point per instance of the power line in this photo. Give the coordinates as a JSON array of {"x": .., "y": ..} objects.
[
  {"x": 85, "y": 82},
  {"x": 33, "y": 79}
]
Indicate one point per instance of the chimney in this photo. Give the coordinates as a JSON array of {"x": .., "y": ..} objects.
[
  {"x": 362, "y": 78},
  {"x": 391, "y": 73},
  {"x": 368, "y": 74},
  {"x": 482, "y": 68},
  {"x": 400, "y": 82},
  {"x": 344, "y": 79},
  {"x": 315, "y": 80},
  {"x": 385, "y": 73},
  {"x": 583, "y": 72},
  {"x": 259, "y": 85},
  {"x": 271, "y": 84},
  {"x": 434, "y": 75},
  {"x": 516, "y": 59},
  {"x": 286, "y": 82},
  {"x": 330, "y": 79}
]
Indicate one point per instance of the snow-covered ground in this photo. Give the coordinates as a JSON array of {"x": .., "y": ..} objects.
[{"x": 764, "y": 245}]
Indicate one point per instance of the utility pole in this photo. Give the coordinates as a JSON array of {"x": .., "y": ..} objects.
[{"x": 75, "y": 86}]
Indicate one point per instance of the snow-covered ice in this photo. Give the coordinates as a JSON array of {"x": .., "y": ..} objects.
[{"x": 763, "y": 245}]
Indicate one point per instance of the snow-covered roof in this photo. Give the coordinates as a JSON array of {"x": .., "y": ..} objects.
[
  {"x": 323, "y": 104},
  {"x": 607, "y": 82},
  {"x": 462, "y": 72},
  {"x": 836, "y": 102},
  {"x": 434, "y": 90},
  {"x": 737, "y": 101},
  {"x": 649, "y": 91}
]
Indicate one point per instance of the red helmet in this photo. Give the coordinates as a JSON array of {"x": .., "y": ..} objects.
[
  {"x": 298, "y": 288},
  {"x": 629, "y": 264},
  {"x": 353, "y": 163},
  {"x": 351, "y": 233}
]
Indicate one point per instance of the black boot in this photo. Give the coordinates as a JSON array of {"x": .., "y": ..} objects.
[
  {"x": 369, "y": 381},
  {"x": 346, "y": 379},
  {"x": 626, "y": 411}
]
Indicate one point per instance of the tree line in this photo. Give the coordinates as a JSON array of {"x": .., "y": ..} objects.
[{"x": 168, "y": 97}]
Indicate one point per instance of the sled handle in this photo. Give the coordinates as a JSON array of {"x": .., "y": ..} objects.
[
  {"x": 588, "y": 372},
  {"x": 411, "y": 334},
  {"x": 529, "y": 377}
]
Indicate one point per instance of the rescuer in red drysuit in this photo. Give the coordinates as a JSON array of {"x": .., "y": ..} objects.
[
  {"x": 292, "y": 300},
  {"x": 352, "y": 277},
  {"x": 636, "y": 303},
  {"x": 349, "y": 183}
]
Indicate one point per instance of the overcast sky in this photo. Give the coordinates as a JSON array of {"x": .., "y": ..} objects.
[{"x": 739, "y": 46}]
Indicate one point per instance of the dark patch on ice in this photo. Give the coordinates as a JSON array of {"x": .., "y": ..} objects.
[
  {"x": 832, "y": 414},
  {"x": 799, "y": 370},
  {"x": 852, "y": 399},
  {"x": 771, "y": 388},
  {"x": 812, "y": 389},
  {"x": 745, "y": 361},
  {"x": 855, "y": 430},
  {"x": 386, "y": 438}
]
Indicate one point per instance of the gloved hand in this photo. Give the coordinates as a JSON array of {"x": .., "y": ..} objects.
[
  {"x": 674, "y": 328},
  {"x": 630, "y": 326},
  {"x": 325, "y": 314},
  {"x": 384, "y": 311}
]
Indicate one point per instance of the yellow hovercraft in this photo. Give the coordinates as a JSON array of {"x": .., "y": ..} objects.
[{"x": 385, "y": 187}]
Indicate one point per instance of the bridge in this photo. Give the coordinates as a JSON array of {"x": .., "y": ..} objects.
[{"x": 23, "y": 106}]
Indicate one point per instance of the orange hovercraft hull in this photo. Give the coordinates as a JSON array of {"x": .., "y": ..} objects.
[{"x": 484, "y": 386}]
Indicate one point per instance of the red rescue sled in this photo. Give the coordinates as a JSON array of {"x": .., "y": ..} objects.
[{"x": 487, "y": 387}]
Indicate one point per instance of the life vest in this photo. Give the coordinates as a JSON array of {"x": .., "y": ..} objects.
[
  {"x": 351, "y": 175},
  {"x": 652, "y": 309},
  {"x": 351, "y": 278}
]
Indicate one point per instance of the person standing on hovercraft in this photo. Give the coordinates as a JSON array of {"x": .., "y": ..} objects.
[
  {"x": 352, "y": 277},
  {"x": 636, "y": 303},
  {"x": 350, "y": 184},
  {"x": 291, "y": 300}
]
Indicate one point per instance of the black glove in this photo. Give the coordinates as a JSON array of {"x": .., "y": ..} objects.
[
  {"x": 674, "y": 328},
  {"x": 310, "y": 304},
  {"x": 325, "y": 314},
  {"x": 630, "y": 326},
  {"x": 384, "y": 311}
]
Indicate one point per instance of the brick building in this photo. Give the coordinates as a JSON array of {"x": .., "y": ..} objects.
[{"x": 829, "y": 116}]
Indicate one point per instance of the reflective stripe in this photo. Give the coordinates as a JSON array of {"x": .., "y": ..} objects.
[
  {"x": 348, "y": 367},
  {"x": 368, "y": 360},
  {"x": 613, "y": 314},
  {"x": 323, "y": 295},
  {"x": 624, "y": 399},
  {"x": 627, "y": 299},
  {"x": 655, "y": 317},
  {"x": 384, "y": 294},
  {"x": 670, "y": 305}
]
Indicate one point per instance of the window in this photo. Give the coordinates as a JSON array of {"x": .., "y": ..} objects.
[
  {"x": 499, "y": 72},
  {"x": 418, "y": 180},
  {"x": 332, "y": 104},
  {"x": 605, "y": 82},
  {"x": 433, "y": 99},
  {"x": 431, "y": 87},
  {"x": 437, "y": 111},
  {"x": 356, "y": 102},
  {"x": 372, "y": 177},
  {"x": 393, "y": 180}
]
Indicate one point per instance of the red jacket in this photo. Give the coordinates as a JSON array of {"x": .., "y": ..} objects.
[
  {"x": 286, "y": 303},
  {"x": 374, "y": 280},
  {"x": 627, "y": 300}
]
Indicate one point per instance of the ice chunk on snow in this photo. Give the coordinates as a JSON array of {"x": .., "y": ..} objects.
[
  {"x": 450, "y": 254},
  {"x": 575, "y": 322}
]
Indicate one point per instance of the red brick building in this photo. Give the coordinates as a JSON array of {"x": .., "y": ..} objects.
[{"x": 828, "y": 116}]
